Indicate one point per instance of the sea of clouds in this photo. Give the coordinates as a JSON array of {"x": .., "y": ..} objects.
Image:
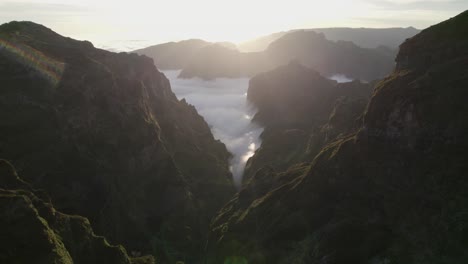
[{"x": 224, "y": 106}]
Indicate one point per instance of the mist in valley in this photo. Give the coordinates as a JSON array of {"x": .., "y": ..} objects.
[{"x": 223, "y": 104}]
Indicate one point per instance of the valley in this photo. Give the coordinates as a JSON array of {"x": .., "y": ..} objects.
[
  {"x": 223, "y": 104},
  {"x": 302, "y": 148}
]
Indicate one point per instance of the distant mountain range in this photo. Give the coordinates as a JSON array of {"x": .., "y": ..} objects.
[
  {"x": 307, "y": 47},
  {"x": 174, "y": 55},
  {"x": 363, "y": 37},
  {"x": 361, "y": 53}
]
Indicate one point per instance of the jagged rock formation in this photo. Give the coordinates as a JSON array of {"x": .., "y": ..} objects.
[
  {"x": 175, "y": 55},
  {"x": 307, "y": 47},
  {"x": 34, "y": 232},
  {"x": 103, "y": 134},
  {"x": 301, "y": 111},
  {"x": 393, "y": 192},
  {"x": 363, "y": 37}
]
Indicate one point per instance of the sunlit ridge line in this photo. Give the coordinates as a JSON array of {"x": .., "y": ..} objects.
[{"x": 49, "y": 68}]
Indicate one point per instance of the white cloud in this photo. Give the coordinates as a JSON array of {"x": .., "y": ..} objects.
[{"x": 223, "y": 104}]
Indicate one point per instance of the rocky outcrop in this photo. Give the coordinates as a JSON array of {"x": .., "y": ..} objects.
[
  {"x": 393, "y": 192},
  {"x": 103, "y": 134},
  {"x": 301, "y": 111},
  {"x": 307, "y": 47},
  {"x": 35, "y": 232}
]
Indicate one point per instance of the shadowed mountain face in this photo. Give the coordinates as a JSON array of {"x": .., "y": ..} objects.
[
  {"x": 302, "y": 111},
  {"x": 34, "y": 232},
  {"x": 363, "y": 37},
  {"x": 394, "y": 191},
  {"x": 307, "y": 47},
  {"x": 103, "y": 134}
]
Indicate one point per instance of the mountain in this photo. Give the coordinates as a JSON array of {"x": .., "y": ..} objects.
[
  {"x": 216, "y": 61},
  {"x": 172, "y": 55},
  {"x": 329, "y": 57},
  {"x": 105, "y": 137},
  {"x": 38, "y": 233},
  {"x": 307, "y": 47},
  {"x": 363, "y": 37},
  {"x": 301, "y": 111},
  {"x": 175, "y": 55},
  {"x": 393, "y": 191},
  {"x": 365, "y": 54}
]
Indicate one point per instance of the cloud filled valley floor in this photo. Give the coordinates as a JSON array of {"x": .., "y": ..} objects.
[{"x": 223, "y": 104}]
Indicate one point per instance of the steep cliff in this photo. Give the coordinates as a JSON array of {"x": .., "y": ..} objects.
[
  {"x": 301, "y": 111},
  {"x": 393, "y": 192},
  {"x": 34, "y": 232},
  {"x": 103, "y": 134}
]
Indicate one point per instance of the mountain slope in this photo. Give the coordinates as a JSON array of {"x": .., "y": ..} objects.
[
  {"x": 37, "y": 233},
  {"x": 104, "y": 135},
  {"x": 394, "y": 192},
  {"x": 301, "y": 111}
]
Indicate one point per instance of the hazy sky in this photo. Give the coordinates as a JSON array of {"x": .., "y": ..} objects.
[{"x": 219, "y": 20}]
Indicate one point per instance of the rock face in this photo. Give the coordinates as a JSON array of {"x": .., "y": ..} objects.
[
  {"x": 393, "y": 192},
  {"x": 301, "y": 111},
  {"x": 36, "y": 233},
  {"x": 307, "y": 47},
  {"x": 103, "y": 134}
]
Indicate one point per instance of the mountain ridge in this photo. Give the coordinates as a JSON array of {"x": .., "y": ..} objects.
[{"x": 103, "y": 134}]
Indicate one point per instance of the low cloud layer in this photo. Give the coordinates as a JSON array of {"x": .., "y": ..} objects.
[
  {"x": 223, "y": 104},
  {"x": 341, "y": 78}
]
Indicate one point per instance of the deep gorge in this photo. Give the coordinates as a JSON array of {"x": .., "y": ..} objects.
[{"x": 223, "y": 104}]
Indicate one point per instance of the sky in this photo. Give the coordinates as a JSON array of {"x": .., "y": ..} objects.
[{"x": 139, "y": 22}]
